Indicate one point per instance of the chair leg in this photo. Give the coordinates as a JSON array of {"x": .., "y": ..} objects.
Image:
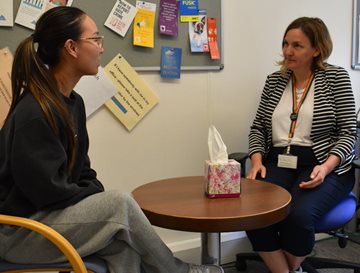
[
  {"x": 308, "y": 268},
  {"x": 312, "y": 263},
  {"x": 354, "y": 239},
  {"x": 241, "y": 259}
]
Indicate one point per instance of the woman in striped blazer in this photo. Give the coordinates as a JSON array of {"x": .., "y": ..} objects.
[{"x": 302, "y": 138}]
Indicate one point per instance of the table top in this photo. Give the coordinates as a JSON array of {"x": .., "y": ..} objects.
[{"x": 181, "y": 204}]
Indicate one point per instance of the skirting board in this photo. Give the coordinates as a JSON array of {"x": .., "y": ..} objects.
[{"x": 231, "y": 244}]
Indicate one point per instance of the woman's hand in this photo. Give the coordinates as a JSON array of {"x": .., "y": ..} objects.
[
  {"x": 256, "y": 167},
  {"x": 317, "y": 177},
  {"x": 319, "y": 172}
]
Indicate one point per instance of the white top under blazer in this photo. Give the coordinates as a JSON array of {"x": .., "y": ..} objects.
[{"x": 333, "y": 129}]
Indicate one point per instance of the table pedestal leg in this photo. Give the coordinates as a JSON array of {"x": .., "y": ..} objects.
[{"x": 210, "y": 248}]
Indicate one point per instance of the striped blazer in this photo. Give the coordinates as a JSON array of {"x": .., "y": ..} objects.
[{"x": 334, "y": 119}]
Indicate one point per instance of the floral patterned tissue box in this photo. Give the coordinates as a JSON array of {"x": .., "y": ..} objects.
[{"x": 222, "y": 180}]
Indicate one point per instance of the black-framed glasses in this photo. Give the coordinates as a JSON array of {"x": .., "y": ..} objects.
[{"x": 99, "y": 40}]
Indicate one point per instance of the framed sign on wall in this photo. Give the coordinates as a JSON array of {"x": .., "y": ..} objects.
[{"x": 355, "y": 58}]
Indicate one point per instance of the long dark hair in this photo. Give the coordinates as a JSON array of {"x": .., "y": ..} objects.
[{"x": 32, "y": 60}]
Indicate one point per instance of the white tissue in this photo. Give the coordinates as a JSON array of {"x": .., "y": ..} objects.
[{"x": 217, "y": 148}]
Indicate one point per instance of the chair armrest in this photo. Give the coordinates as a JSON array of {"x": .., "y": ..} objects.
[
  {"x": 239, "y": 157},
  {"x": 56, "y": 238},
  {"x": 356, "y": 163}
]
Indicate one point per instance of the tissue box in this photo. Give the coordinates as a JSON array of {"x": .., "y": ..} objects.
[{"x": 222, "y": 180}]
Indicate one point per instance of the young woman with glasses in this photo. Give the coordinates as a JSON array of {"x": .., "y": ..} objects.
[{"x": 45, "y": 171}]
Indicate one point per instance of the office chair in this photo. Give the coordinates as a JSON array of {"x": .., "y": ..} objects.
[
  {"x": 356, "y": 164},
  {"x": 76, "y": 263},
  {"x": 330, "y": 223}
]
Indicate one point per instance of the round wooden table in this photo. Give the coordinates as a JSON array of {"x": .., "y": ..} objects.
[{"x": 181, "y": 204}]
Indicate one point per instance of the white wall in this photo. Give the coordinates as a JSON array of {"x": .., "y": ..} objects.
[{"x": 172, "y": 139}]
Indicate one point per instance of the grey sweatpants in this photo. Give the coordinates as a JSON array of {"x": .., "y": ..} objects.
[{"x": 109, "y": 224}]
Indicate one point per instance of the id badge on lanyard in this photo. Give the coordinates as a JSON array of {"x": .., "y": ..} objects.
[{"x": 287, "y": 160}]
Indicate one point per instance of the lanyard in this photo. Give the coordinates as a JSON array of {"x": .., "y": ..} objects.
[{"x": 296, "y": 107}]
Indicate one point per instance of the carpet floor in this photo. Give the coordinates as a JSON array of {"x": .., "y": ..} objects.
[{"x": 326, "y": 248}]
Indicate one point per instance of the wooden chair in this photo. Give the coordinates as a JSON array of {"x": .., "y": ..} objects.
[{"x": 76, "y": 263}]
